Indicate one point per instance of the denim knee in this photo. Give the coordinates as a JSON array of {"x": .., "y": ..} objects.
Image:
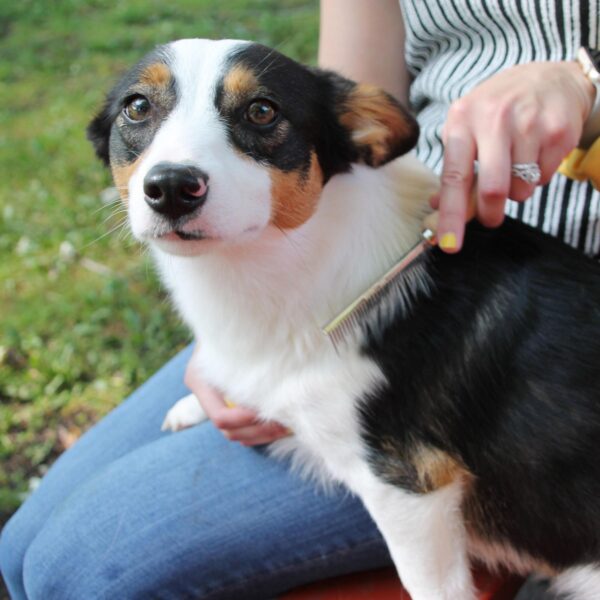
[
  {"x": 43, "y": 575},
  {"x": 14, "y": 541},
  {"x": 58, "y": 564},
  {"x": 28, "y": 573}
]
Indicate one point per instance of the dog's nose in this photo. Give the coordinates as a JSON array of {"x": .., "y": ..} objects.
[{"x": 175, "y": 190}]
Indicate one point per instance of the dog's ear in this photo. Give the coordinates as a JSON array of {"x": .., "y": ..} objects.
[
  {"x": 376, "y": 126},
  {"x": 98, "y": 131},
  {"x": 380, "y": 128}
]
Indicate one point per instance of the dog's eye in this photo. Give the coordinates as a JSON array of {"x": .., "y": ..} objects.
[
  {"x": 261, "y": 112},
  {"x": 137, "y": 108}
]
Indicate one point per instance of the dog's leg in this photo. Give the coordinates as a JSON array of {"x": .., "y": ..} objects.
[
  {"x": 579, "y": 583},
  {"x": 184, "y": 413},
  {"x": 426, "y": 538},
  {"x": 424, "y": 532}
]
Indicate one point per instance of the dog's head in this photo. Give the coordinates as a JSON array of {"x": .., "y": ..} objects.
[{"x": 221, "y": 139}]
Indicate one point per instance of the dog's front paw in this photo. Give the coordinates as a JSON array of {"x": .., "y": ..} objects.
[{"x": 184, "y": 413}]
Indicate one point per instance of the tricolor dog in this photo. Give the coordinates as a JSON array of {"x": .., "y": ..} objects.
[{"x": 465, "y": 413}]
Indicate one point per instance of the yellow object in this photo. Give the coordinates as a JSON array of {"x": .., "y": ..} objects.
[
  {"x": 583, "y": 165},
  {"x": 229, "y": 403},
  {"x": 448, "y": 241}
]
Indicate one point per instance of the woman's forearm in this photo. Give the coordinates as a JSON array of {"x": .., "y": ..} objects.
[{"x": 364, "y": 40}]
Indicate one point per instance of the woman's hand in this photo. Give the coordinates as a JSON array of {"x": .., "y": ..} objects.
[
  {"x": 531, "y": 113},
  {"x": 236, "y": 423}
]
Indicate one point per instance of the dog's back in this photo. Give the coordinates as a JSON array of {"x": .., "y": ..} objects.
[{"x": 494, "y": 377}]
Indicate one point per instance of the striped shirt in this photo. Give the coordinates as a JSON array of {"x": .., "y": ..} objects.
[{"x": 452, "y": 45}]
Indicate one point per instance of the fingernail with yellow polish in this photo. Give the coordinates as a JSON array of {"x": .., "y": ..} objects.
[{"x": 448, "y": 241}]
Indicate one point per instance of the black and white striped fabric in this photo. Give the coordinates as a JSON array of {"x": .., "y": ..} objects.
[{"x": 452, "y": 45}]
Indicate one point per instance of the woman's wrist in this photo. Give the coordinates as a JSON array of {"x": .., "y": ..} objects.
[{"x": 590, "y": 79}]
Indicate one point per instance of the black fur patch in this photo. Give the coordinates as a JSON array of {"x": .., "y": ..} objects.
[
  {"x": 113, "y": 137},
  {"x": 499, "y": 367},
  {"x": 309, "y": 101}
]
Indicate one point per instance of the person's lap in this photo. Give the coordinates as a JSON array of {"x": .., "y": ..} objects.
[{"x": 131, "y": 512}]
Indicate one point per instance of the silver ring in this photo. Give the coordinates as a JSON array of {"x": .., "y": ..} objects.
[{"x": 527, "y": 172}]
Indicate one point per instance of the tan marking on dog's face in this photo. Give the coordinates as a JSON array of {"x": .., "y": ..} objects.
[
  {"x": 238, "y": 85},
  {"x": 122, "y": 174},
  {"x": 436, "y": 469},
  {"x": 375, "y": 122},
  {"x": 240, "y": 81},
  {"x": 295, "y": 195},
  {"x": 156, "y": 75}
]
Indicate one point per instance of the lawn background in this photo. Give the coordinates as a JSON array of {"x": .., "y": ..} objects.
[{"x": 82, "y": 318}]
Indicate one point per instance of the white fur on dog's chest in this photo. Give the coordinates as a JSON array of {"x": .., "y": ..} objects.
[
  {"x": 255, "y": 308},
  {"x": 316, "y": 397},
  {"x": 285, "y": 369},
  {"x": 320, "y": 403}
]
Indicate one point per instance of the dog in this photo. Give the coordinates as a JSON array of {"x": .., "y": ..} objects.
[{"x": 465, "y": 410}]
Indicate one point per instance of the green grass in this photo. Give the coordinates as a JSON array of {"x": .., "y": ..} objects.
[{"x": 83, "y": 320}]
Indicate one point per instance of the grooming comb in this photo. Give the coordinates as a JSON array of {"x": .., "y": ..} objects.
[{"x": 353, "y": 316}]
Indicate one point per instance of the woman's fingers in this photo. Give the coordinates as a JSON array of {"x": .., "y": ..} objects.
[
  {"x": 526, "y": 129},
  {"x": 524, "y": 156},
  {"x": 560, "y": 140},
  {"x": 241, "y": 424},
  {"x": 493, "y": 176},
  {"x": 235, "y": 422},
  {"x": 255, "y": 435},
  {"x": 457, "y": 180},
  {"x": 529, "y": 114},
  {"x": 226, "y": 418}
]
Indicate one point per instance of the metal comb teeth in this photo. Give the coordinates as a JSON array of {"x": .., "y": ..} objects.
[{"x": 348, "y": 322}]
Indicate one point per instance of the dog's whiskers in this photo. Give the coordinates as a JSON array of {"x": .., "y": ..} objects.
[
  {"x": 266, "y": 69},
  {"x": 269, "y": 55},
  {"x": 112, "y": 215},
  {"x": 108, "y": 206},
  {"x": 121, "y": 225},
  {"x": 266, "y": 57},
  {"x": 134, "y": 153}
]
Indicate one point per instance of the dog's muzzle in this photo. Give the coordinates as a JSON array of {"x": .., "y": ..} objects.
[{"x": 175, "y": 190}]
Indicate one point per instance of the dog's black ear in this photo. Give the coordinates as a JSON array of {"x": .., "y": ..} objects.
[
  {"x": 377, "y": 127},
  {"x": 98, "y": 131}
]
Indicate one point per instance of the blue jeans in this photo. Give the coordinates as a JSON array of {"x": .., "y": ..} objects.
[{"x": 130, "y": 512}]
